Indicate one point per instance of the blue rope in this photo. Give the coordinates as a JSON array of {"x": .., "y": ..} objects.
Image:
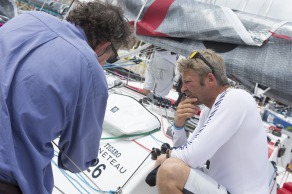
[
  {"x": 156, "y": 139},
  {"x": 87, "y": 183},
  {"x": 114, "y": 66},
  {"x": 81, "y": 178},
  {"x": 65, "y": 174}
]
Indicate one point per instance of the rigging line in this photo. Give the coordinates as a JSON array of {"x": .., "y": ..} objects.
[
  {"x": 70, "y": 8},
  {"x": 167, "y": 116},
  {"x": 136, "y": 170},
  {"x": 283, "y": 177},
  {"x": 120, "y": 68},
  {"x": 120, "y": 64},
  {"x": 59, "y": 189},
  {"x": 156, "y": 139},
  {"x": 237, "y": 6},
  {"x": 245, "y": 4},
  {"x": 138, "y": 16},
  {"x": 81, "y": 171},
  {"x": 69, "y": 178},
  {"x": 287, "y": 176},
  {"x": 136, "y": 51},
  {"x": 226, "y": 2},
  {"x": 141, "y": 145},
  {"x": 119, "y": 75},
  {"x": 41, "y": 9},
  {"x": 128, "y": 77},
  {"x": 81, "y": 178},
  {"x": 274, "y": 176},
  {"x": 269, "y": 7},
  {"x": 262, "y": 7},
  {"x": 273, "y": 185}
]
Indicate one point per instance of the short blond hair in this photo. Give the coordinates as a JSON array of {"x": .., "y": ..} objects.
[{"x": 199, "y": 66}]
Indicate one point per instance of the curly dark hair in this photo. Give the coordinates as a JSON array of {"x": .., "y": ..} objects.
[{"x": 102, "y": 22}]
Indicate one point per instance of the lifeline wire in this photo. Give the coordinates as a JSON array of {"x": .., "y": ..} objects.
[
  {"x": 79, "y": 176},
  {"x": 75, "y": 165},
  {"x": 136, "y": 170},
  {"x": 59, "y": 189}
]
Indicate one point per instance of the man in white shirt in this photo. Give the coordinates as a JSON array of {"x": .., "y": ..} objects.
[
  {"x": 229, "y": 134},
  {"x": 160, "y": 73}
]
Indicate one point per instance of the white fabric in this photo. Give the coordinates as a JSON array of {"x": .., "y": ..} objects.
[
  {"x": 231, "y": 135},
  {"x": 200, "y": 182},
  {"x": 160, "y": 74},
  {"x": 239, "y": 27},
  {"x": 125, "y": 116}
]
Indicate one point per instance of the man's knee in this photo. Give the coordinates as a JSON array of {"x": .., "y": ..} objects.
[
  {"x": 168, "y": 167},
  {"x": 174, "y": 171}
]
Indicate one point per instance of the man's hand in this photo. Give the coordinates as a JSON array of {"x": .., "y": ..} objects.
[{"x": 186, "y": 109}]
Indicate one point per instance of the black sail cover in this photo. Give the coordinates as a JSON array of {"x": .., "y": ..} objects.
[{"x": 256, "y": 49}]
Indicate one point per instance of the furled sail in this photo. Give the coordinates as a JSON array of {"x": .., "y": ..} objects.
[{"x": 256, "y": 49}]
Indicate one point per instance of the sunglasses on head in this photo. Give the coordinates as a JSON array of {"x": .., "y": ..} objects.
[
  {"x": 115, "y": 57},
  {"x": 196, "y": 55}
]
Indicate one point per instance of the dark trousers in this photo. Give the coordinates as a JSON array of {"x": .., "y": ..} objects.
[{"x": 8, "y": 188}]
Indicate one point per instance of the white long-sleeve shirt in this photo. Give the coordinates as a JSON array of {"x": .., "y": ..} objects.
[{"x": 231, "y": 135}]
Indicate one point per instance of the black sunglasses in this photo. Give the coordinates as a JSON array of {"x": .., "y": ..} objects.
[
  {"x": 196, "y": 55},
  {"x": 115, "y": 57}
]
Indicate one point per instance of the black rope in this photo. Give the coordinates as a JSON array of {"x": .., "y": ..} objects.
[{"x": 136, "y": 170}]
